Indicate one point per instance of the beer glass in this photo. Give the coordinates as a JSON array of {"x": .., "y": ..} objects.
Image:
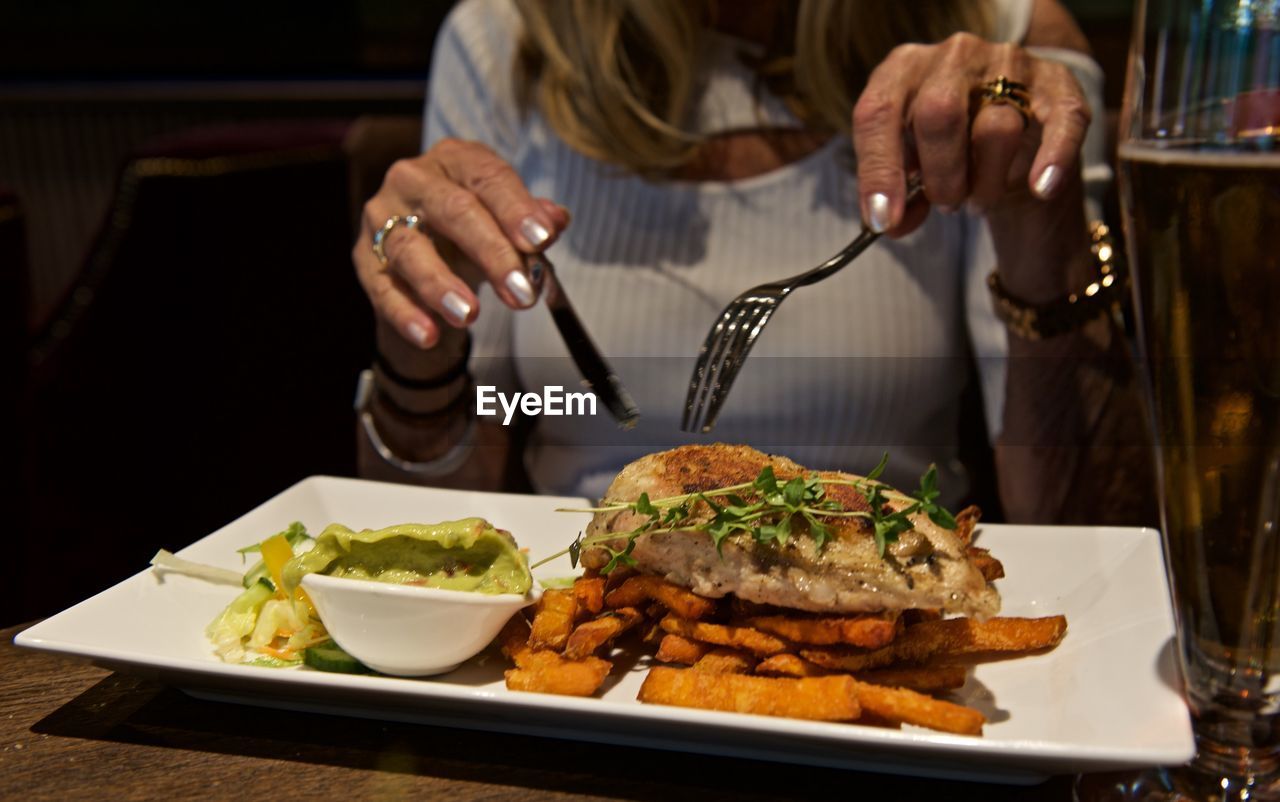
[{"x": 1200, "y": 193}]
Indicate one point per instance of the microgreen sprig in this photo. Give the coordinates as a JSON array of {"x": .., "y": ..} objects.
[{"x": 768, "y": 514}]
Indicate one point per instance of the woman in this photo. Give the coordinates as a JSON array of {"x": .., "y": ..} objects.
[{"x": 704, "y": 148}]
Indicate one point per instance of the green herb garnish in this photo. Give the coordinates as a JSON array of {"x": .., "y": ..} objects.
[
  {"x": 765, "y": 510},
  {"x": 295, "y": 534}
]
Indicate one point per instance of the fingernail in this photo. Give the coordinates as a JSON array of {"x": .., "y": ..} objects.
[
  {"x": 418, "y": 334},
  {"x": 534, "y": 232},
  {"x": 455, "y": 307},
  {"x": 520, "y": 287},
  {"x": 974, "y": 208},
  {"x": 878, "y": 211},
  {"x": 1047, "y": 181},
  {"x": 945, "y": 208}
]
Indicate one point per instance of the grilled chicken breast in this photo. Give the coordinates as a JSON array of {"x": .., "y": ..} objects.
[{"x": 926, "y": 568}]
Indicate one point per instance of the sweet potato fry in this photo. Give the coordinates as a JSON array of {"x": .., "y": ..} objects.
[
  {"x": 991, "y": 568},
  {"x": 631, "y": 593},
  {"x": 789, "y": 665},
  {"x": 678, "y": 600},
  {"x": 909, "y": 707},
  {"x": 751, "y": 640},
  {"x": 867, "y": 631},
  {"x": 725, "y": 661},
  {"x": 590, "y": 594},
  {"x": 545, "y": 671},
  {"x": 925, "y": 679},
  {"x": 835, "y": 659},
  {"x": 681, "y": 601},
  {"x": 548, "y": 672},
  {"x": 818, "y": 698},
  {"x": 678, "y": 649},
  {"x": 598, "y": 632},
  {"x": 553, "y": 621},
  {"x": 957, "y": 636},
  {"x": 948, "y": 637}
]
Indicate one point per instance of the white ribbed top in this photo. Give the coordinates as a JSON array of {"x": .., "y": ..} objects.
[{"x": 873, "y": 359}]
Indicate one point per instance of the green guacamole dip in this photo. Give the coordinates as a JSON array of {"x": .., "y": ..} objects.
[{"x": 455, "y": 555}]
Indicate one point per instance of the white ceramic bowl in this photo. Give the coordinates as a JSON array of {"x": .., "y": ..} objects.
[{"x": 406, "y": 630}]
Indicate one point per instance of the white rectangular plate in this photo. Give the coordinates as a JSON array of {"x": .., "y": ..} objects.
[{"x": 1105, "y": 699}]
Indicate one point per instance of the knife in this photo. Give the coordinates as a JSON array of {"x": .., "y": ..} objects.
[{"x": 597, "y": 373}]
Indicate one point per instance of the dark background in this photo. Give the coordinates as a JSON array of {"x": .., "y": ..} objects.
[
  {"x": 181, "y": 327},
  {"x": 158, "y": 41}
]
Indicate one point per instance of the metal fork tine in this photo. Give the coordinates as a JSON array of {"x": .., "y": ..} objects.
[
  {"x": 736, "y": 357},
  {"x": 756, "y": 330},
  {"x": 719, "y": 354},
  {"x": 698, "y": 381}
]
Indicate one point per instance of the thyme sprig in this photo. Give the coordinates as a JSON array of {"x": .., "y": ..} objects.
[{"x": 768, "y": 514}]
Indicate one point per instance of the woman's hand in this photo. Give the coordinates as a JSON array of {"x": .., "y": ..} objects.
[
  {"x": 921, "y": 109},
  {"x": 476, "y": 219}
]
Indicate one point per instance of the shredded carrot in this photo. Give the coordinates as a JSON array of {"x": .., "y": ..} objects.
[{"x": 279, "y": 654}]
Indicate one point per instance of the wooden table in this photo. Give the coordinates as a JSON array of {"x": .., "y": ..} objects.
[{"x": 71, "y": 730}]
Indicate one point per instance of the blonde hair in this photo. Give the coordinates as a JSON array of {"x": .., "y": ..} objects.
[{"x": 615, "y": 78}]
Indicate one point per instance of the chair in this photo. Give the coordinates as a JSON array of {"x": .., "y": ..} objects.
[{"x": 204, "y": 359}]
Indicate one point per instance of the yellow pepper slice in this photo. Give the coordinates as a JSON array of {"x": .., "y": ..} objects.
[{"x": 276, "y": 551}]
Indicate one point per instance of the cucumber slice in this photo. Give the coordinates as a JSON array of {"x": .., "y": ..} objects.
[
  {"x": 258, "y": 573},
  {"x": 253, "y": 598},
  {"x": 329, "y": 656}
]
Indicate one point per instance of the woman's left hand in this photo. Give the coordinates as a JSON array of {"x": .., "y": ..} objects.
[{"x": 922, "y": 110}]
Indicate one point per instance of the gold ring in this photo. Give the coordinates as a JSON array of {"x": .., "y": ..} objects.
[
  {"x": 380, "y": 236},
  {"x": 1000, "y": 91}
]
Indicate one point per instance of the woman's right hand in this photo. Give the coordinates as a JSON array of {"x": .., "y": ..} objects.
[{"x": 476, "y": 219}]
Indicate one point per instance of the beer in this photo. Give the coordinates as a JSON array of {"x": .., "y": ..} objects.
[{"x": 1203, "y": 230}]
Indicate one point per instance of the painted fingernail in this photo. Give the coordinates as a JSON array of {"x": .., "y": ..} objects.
[
  {"x": 520, "y": 287},
  {"x": 534, "y": 232},
  {"x": 878, "y": 212},
  {"x": 418, "y": 334},
  {"x": 1047, "y": 181},
  {"x": 455, "y": 307}
]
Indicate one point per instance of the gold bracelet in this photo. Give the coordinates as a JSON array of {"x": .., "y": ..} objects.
[{"x": 1042, "y": 321}]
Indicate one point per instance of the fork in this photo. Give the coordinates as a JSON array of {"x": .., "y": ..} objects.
[{"x": 735, "y": 332}]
